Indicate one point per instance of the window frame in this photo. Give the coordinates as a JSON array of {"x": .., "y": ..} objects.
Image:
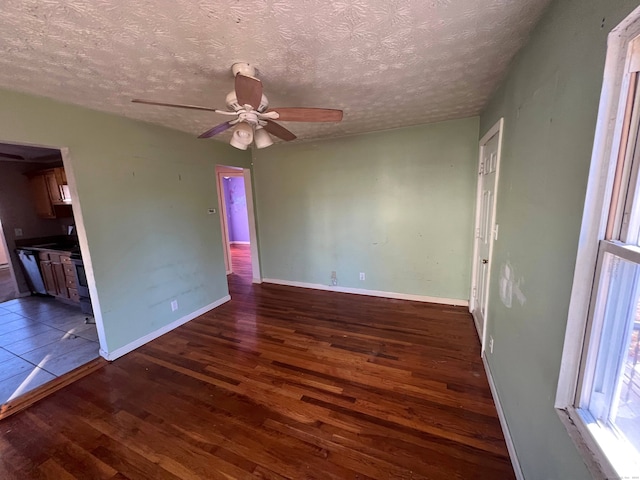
[{"x": 598, "y": 203}]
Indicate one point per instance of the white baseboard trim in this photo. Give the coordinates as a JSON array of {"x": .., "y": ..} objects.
[
  {"x": 371, "y": 293},
  {"x": 256, "y": 280},
  {"x": 503, "y": 423},
  {"x": 240, "y": 242},
  {"x": 118, "y": 352}
]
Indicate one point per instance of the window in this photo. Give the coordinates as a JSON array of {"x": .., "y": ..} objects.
[
  {"x": 599, "y": 386},
  {"x": 608, "y": 401}
]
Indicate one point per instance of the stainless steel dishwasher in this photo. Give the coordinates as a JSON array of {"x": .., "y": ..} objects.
[{"x": 30, "y": 263}]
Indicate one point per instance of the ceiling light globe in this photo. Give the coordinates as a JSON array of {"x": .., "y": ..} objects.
[
  {"x": 262, "y": 138},
  {"x": 242, "y": 136}
]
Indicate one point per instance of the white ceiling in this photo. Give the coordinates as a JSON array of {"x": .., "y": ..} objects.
[{"x": 386, "y": 63}]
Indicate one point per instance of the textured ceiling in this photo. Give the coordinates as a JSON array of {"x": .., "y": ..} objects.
[{"x": 386, "y": 63}]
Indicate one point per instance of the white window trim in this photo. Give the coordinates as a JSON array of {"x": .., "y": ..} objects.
[{"x": 595, "y": 216}]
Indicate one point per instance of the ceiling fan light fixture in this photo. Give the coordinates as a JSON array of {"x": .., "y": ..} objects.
[
  {"x": 232, "y": 101},
  {"x": 250, "y": 107},
  {"x": 262, "y": 138},
  {"x": 238, "y": 145},
  {"x": 242, "y": 136}
]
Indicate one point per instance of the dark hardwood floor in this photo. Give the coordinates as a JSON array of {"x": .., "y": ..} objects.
[{"x": 278, "y": 383}]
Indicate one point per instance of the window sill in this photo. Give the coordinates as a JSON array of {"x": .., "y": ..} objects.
[{"x": 584, "y": 437}]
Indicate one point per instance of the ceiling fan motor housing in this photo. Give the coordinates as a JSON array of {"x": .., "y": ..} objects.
[
  {"x": 243, "y": 68},
  {"x": 232, "y": 102},
  {"x": 248, "y": 117}
]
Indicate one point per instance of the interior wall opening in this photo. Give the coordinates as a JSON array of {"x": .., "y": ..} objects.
[
  {"x": 237, "y": 223},
  {"x": 47, "y": 327}
]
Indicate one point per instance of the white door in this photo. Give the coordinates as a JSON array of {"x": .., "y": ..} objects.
[{"x": 485, "y": 231}]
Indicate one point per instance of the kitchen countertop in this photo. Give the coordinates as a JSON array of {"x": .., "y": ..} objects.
[
  {"x": 52, "y": 248},
  {"x": 46, "y": 244}
]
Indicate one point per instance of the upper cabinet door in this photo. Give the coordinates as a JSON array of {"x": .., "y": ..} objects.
[
  {"x": 41, "y": 198},
  {"x": 55, "y": 192}
]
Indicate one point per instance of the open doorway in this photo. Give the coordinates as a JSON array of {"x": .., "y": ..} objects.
[
  {"x": 46, "y": 325},
  {"x": 237, "y": 223}
]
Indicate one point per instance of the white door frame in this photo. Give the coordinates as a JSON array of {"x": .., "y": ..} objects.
[
  {"x": 12, "y": 272},
  {"x": 78, "y": 218},
  {"x": 496, "y": 129},
  {"x": 225, "y": 171}
]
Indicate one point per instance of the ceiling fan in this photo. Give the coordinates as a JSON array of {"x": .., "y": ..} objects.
[{"x": 253, "y": 119}]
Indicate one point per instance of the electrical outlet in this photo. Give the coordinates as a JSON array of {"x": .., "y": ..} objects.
[
  {"x": 362, "y": 276},
  {"x": 211, "y": 211},
  {"x": 334, "y": 278},
  {"x": 18, "y": 232},
  {"x": 490, "y": 344},
  {"x": 174, "y": 305}
]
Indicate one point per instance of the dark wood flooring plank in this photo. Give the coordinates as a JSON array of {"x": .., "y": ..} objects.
[{"x": 279, "y": 383}]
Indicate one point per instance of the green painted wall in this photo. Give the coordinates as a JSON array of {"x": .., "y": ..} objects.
[
  {"x": 549, "y": 102},
  {"x": 144, "y": 192},
  {"x": 397, "y": 205}
]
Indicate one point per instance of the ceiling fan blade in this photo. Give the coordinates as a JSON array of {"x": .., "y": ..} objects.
[
  {"x": 216, "y": 130},
  {"x": 176, "y": 105},
  {"x": 303, "y": 114},
  {"x": 248, "y": 90},
  {"x": 279, "y": 131}
]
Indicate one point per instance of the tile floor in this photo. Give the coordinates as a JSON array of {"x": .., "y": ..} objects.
[{"x": 41, "y": 339}]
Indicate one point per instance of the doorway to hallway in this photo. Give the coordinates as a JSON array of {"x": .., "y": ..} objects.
[
  {"x": 236, "y": 215},
  {"x": 237, "y": 222}
]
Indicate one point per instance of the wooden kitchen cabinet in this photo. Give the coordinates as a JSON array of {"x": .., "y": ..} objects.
[
  {"x": 40, "y": 195},
  {"x": 54, "y": 187},
  {"x": 49, "y": 192},
  {"x": 69, "y": 270},
  {"x": 61, "y": 281},
  {"x": 58, "y": 275},
  {"x": 47, "y": 275}
]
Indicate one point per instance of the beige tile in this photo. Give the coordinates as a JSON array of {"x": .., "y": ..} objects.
[
  {"x": 56, "y": 349},
  {"x": 70, "y": 360},
  {"x": 13, "y": 366},
  {"x": 65, "y": 322},
  {"x": 15, "y": 324},
  {"x": 27, "y": 331},
  {"x": 28, "y": 344},
  {"x": 6, "y": 317},
  {"x": 90, "y": 333},
  {"x": 5, "y": 355},
  {"x": 23, "y": 382}
]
